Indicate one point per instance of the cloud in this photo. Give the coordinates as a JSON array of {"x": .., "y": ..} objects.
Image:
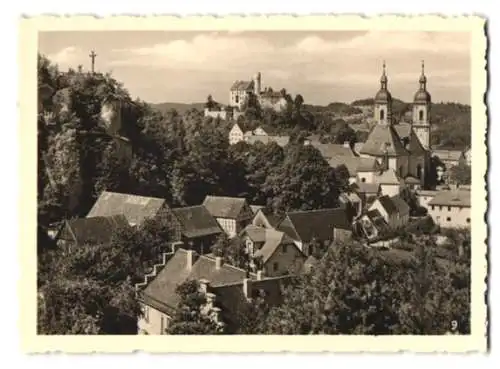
[{"x": 66, "y": 57}]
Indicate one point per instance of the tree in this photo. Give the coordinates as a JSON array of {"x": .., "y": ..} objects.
[
  {"x": 304, "y": 181},
  {"x": 355, "y": 290},
  {"x": 210, "y": 104},
  {"x": 460, "y": 174},
  {"x": 298, "y": 102},
  {"x": 193, "y": 316}
]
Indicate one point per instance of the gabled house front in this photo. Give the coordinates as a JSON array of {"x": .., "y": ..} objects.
[
  {"x": 89, "y": 231},
  {"x": 394, "y": 210},
  {"x": 321, "y": 227},
  {"x": 194, "y": 226},
  {"x": 232, "y": 213}
]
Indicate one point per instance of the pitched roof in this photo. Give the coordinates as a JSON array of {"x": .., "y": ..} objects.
[
  {"x": 383, "y": 138},
  {"x": 354, "y": 164},
  {"x": 448, "y": 154},
  {"x": 412, "y": 180},
  {"x": 305, "y": 225},
  {"x": 270, "y": 130},
  {"x": 224, "y": 207},
  {"x": 370, "y": 188},
  {"x": 273, "y": 240},
  {"x": 272, "y": 218},
  {"x": 255, "y": 233},
  {"x": 459, "y": 197},
  {"x": 94, "y": 230},
  {"x": 256, "y": 208},
  {"x": 394, "y": 205},
  {"x": 280, "y": 140},
  {"x": 329, "y": 151},
  {"x": 135, "y": 208},
  {"x": 162, "y": 289},
  {"x": 402, "y": 207},
  {"x": 388, "y": 205},
  {"x": 196, "y": 221},
  {"x": 415, "y": 146},
  {"x": 242, "y": 86},
  {"x": 388, "y": 177}
]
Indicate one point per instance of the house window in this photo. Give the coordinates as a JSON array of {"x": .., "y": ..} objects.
[
  {"x": 440, "y": 208},
  {"x": 237, "y": 99},
  {"x": 285, "y": 248},
  {"x": 163, "y": 324},
  {"x": 448, "y": 219},
  {"x": 468, "y": 220},
  {"x": 401, "y": 171},
  {"x": 275, "y": 266},
  {"x": 363, "y": 179},
  {"x": 432, "y": 207},
  {"x": 449, "y": 208},
  {"x": 421, "y": 115},
  {"x": 382, "y": 115}
]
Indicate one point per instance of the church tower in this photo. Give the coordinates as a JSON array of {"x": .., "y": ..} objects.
[
  {"x": 422, "y": 112},
  {"x": 383, "y": 102},
  {"x": 257, "y": 84}
]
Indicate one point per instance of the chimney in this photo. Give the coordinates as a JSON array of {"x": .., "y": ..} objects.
[
  {"x": 247, "y": 288},
  {"x": 190, "y": 259},
  {"x": 260, "y": 275},
  {"x": 204, "y": 283},
  {"x": 218, "y": 262},
  {"x": 347, "y": 144}
]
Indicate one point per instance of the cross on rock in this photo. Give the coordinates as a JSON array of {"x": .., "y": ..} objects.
[{"x": 92, "y": 57}]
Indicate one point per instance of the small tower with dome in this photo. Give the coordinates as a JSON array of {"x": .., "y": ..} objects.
[
  {"x": 257, "y": 83},
  {"x": 421, "y": 117},
  {"x": 383, "y": 102}
]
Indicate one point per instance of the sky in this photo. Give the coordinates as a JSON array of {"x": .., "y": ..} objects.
[{"x": 324, "y": 67}]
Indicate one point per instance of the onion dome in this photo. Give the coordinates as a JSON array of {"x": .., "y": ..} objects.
[
  {"x": 422, "y": 96},
  {"x": 383, "y": 95}
]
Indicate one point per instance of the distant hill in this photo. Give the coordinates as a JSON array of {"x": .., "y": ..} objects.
[{"x": 181, "y": 108}]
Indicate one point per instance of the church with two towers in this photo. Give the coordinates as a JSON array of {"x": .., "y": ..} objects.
[{"x": 400, "y": 147}]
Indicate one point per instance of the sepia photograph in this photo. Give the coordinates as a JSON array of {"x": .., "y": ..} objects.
[{"x": 255, "y": 182}]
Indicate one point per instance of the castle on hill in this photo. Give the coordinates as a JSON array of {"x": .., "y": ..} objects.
[{"x": 267, "y": 97}]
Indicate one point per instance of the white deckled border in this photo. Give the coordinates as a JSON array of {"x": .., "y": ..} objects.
[{"x": 27, "y": 104}]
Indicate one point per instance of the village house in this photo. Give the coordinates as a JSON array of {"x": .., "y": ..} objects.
[
  {"x": 450, "y": 158},
  {"x": 424, "y": 196},
  {"x": 225, "y": 287},
  {"x": 194, "y": 226},
  {"x": 390, "y": 183},
  {"x": 393, "y": 209},
  {"x": 136, "y": 209},
  {"x": 265, "y": 139},
  {"x": 451, "y": 208},
  {"x": 266, "y": 218},
  {"x": 89, "y": 231},
  {"x": 278, "y": 253},
  {"x": 232, "y": 213},
  {"x": 353, "y": 202},
  {"x": 322, "y": 226},
  {"x": 372, "y": 226},
  {"x": 236, "y": 134},
  {"x": 368, "y": 192},
  {"x": 360, "y": 169}
]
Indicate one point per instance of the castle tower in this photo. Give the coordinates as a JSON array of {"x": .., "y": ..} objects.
[
  {"x": 257, "y": 85},
  {"x": 422, "y": 112},
  {"x": 383, "y": 102}
]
